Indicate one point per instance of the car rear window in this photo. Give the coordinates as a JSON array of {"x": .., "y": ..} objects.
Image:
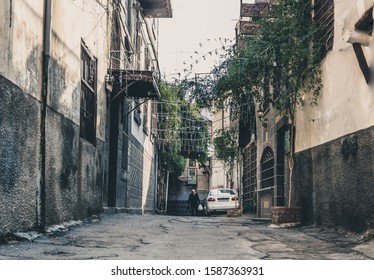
[{"x": 222, "y": 192}]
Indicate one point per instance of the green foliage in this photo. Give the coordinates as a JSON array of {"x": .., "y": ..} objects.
[
  {"x": 170, "y": 125},
  {"x": 173, "y": 162},
  {"x": 183, "y": 133},
  {"x": 278, "y": 65},
  {"x": 285, "y": 55},
  {"x": 168, "y": 128},
  {"x": 226, "y": 145}
]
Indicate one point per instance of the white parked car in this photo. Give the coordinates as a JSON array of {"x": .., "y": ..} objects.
[{"x": 221, "y": 200}]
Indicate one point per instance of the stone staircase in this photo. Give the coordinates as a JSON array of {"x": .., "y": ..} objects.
[{"x": 178, "y": 208}]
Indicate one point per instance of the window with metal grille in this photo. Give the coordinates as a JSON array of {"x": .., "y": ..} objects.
[
  {"x": 267, "y": 169},
  {"x": 324, "y": 18},
  {"x": 88, "y": 95},
  {"x": 250, "y": 178}
]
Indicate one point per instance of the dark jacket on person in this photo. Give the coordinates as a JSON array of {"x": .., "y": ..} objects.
[{"x": 194, "y": 200}]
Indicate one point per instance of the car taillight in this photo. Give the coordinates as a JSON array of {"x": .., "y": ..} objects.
[
  {"x": 211, "y": 199},
  {"x": 235, "y": 198}
]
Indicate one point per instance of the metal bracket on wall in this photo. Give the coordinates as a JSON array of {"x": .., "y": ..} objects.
[
  {"x": 361, "y": 36},
  {"x": 362, "y": 62}
]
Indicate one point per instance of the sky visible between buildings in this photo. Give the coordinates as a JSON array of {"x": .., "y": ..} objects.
[{"x": 195, "y": 40}]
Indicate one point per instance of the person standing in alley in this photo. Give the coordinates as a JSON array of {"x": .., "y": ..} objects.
[{"x": 193, "y": 202}]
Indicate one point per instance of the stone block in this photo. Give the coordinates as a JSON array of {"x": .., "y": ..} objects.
[{"x": 282, "y": 215}]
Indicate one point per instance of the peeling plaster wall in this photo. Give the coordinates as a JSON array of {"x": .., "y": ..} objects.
[
  {"x": 20, "y": 79},
  {"x": 74, "y": 167},
  {"x": 334, "y": 140},
  {"x": 71, "y": 23},
  {"x": 21, "y": 27}
]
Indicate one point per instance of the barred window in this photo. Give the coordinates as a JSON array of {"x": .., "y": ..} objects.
[
  {"x": 267, "y": 168},
  {"x": 88, "y": 96},
  {"x": 250, "y": 178},
  {"x": 324, "y": 18}
]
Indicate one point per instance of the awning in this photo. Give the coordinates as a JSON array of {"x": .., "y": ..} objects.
[{"x": 135, "y": 83}]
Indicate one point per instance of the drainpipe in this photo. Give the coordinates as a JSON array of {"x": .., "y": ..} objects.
[
  {"x": 156, "y": 182},
  {"x": 167, "y": 192},
  {"x": 45, "y": 67}
]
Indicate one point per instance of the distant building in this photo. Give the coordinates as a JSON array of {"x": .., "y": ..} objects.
[{"x": 223, "y": 175}]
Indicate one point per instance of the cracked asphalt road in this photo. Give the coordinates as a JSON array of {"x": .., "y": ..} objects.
[{"x": 158, "y": 237}]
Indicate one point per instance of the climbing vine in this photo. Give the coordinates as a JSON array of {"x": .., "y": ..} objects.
[
  {"x": 226, "y": 145},
  {"x": 276, "y": 69}
]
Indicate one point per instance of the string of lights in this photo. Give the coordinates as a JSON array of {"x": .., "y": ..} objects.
[{"x": 220, "y": 54}]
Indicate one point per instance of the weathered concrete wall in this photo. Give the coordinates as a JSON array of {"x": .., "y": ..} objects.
[
  {"x": 74, "y": 172},
  {"x": 91, "y": 178},
  {"x": 62, "y": 166},
  {"x": 334, "y": 190},
  {"x": 20, "y": 79},
  {"x": 74, "y": 168},
  {"x": 335, "y": 182},
  {"x": 20, "y": 158}
]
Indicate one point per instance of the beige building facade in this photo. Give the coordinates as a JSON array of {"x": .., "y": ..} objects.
[
  {"x": 222, "y": 174},
  {"x": 76, "y": 79},
  {"x": 53, "y": 68},
  {"x": 334, "y": 146}
]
